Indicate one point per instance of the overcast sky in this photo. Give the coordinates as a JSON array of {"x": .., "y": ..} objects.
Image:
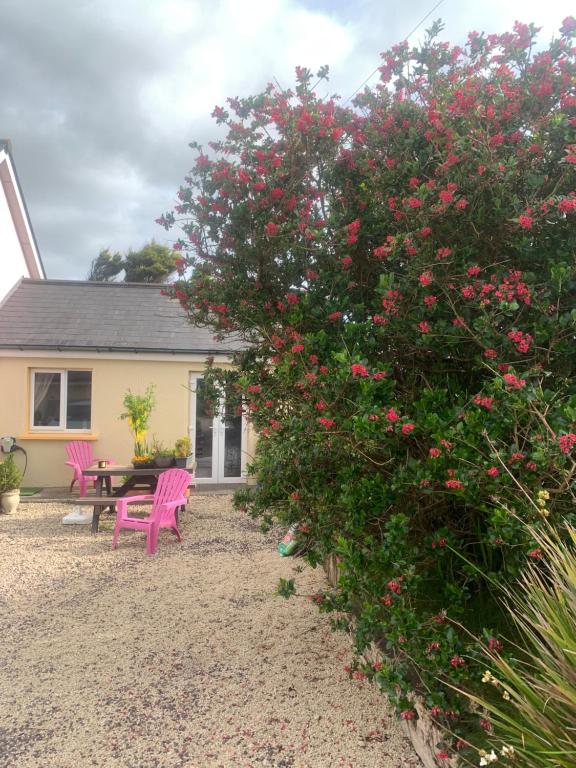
[{"x": 101, "y": 97}]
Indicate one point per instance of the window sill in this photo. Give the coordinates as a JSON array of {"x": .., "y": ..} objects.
[{"x": 91, "y": 436}]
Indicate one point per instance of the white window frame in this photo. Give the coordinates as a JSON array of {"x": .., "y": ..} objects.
[{"x": 63, "y": 400}]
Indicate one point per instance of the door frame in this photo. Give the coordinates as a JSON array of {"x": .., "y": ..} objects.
[{"x": 218, "y": 441}]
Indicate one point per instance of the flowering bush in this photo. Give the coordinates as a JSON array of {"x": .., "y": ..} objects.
[{"x": 402, "y": 272}]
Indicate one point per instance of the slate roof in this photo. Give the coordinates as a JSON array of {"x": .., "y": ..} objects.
[{"x": 71, "y": 315}]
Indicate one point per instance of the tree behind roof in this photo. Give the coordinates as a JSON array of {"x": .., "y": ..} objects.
[{"x": 154, "y": 263}]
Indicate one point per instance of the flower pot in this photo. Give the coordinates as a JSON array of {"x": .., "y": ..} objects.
[
  {"x": 163, "y": 462},
  {"x": 142, "y": 464},
  {"x": 10, "y": 500},
  {"x": 180, "y": 461}
]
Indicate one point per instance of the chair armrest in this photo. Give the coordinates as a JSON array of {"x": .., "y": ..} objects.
[
  {"x": 72, "y": 464},
  {"x": 173, "y": 504},
  {"x": 134, "y": 499}
]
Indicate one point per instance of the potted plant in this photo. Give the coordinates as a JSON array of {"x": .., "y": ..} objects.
[
  {"x": 143, "y": 458},
  {"x": 182, "y": 449},
  {"x": 137, "y": 413},
  {"x": 163, "y": 457},
  {"x": 10, "y": 479}
]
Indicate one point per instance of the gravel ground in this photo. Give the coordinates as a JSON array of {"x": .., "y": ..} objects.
[{"x": 116, "y": 659}]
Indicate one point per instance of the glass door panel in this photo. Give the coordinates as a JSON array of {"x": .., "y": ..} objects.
[
  {"x": 205, "y": 432},
  {"x": 232, "y": 459}
]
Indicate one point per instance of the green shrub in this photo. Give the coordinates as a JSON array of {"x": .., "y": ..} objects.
[{"x": 10, "y": 475}]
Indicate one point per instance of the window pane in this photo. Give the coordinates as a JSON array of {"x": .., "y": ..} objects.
[
  {"x": 46, "y": 399},
  {"x": 79, "y": 404}
]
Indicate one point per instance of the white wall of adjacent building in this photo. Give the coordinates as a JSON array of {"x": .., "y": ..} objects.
[
  {"x": 18, "y": 254},
  {"x": 12, "y": 263}
]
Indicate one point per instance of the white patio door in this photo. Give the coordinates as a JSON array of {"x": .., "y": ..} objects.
[{"x": 218, "y": 442}]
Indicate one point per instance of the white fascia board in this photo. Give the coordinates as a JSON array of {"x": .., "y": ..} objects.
[{"x": 151, "y": 356}]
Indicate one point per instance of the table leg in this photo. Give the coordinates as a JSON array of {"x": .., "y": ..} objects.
[{"x": 97, "y": 507}]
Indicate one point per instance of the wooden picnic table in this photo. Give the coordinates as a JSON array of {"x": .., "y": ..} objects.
[{"x": 138, "y": 480}]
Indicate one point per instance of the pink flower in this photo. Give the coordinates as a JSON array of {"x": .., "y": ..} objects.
[
  {"x": 297, "y": 348},
  {"x": 443, "y": 253},
  {"x": 474, "y": 271},
  {"x": 461, "y": 204},
  {"x": 392, "y": 416},
  {"x": 277, "y": 193},
  {"x": 408, "y": 714},
  {"x": 525, "y": 222},
  {"x": 442, "y": 755},
  {"x": 381, "y": 252},
  {"x": 567, "y": 442},
  {"x": 335, "y": 316},
  {"x": 493, "y": 472},
  {"x": 494, "y": 644},
  {"x": 414, "y": 202},
  {"x": 425, "y": 278},
  {"x": 434, "y": 453},
  {"x": 454, "y": 485},
  {"x": 326, "y": 423},
  {"x": 429, "y": 301},
  {"x": 254, "y": 389},
  {"x": 425, "y": 231},
  {"x": 535, "y": 554},
  {"x": 446, "y": 197},
  {"x": 407, "y": 428},
  {"x": 295, "y": 496},
  {"x": 271, "y": 229},
  {"x": 359, "y": 370},
  {"x": 490, "y": 354},
  {"x": 457, "y": 661},
  {"x": 379, "y": 375},
  {"x": 484, "y": 402},
  {"x": 346, "y": 262},
  {"x": 424, "y": 327},
  {"x": 513, "y": 382},
  {"x": 292, "y": 299}
]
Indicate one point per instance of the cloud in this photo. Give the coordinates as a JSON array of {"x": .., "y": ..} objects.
[{"x": 101, "y": 98}]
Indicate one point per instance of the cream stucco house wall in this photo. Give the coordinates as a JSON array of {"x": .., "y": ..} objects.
[
  {"x": 70, "y": 350},
  {"x": 19, "y": 256}
]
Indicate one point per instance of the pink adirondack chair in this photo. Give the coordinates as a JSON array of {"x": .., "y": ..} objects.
[
  {"x": 168, "y": 497},
  {"x": 80, "y": 456}
]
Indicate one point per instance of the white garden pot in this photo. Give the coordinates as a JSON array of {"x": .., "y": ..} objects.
[{"x": 9, "y": 501}]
